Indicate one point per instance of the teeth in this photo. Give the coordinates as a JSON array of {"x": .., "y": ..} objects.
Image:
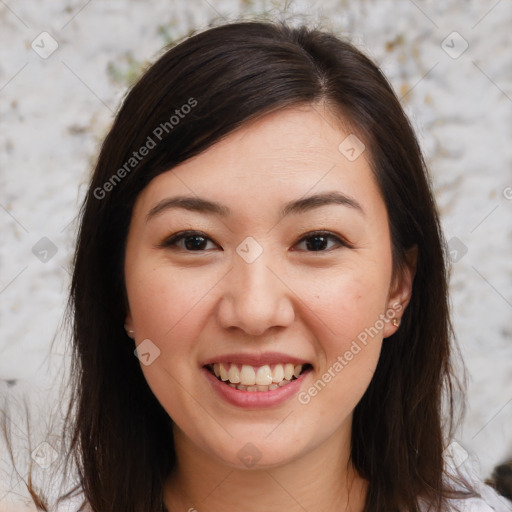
[
  {"x": 278, "y": 373},
  {"x": 223, "y": 372},
  {"x": 234, "y": 374},
  {"x": 247, "y": 376},
  {"x": 288, "y": 371},
  {"x": 271, "y": 387},
  {"x": 263, "y": 378}
]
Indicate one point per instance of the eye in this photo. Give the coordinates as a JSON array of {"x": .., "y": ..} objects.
[
  {"x": 196, "y": 241},
  {"x": 318, "y": 241},
  {"x": 190, "y": 241}
]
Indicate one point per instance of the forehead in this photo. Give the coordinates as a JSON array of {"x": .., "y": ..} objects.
[
  {"x": 283, "y": 155},
  {"x": 300, "y": 138}
]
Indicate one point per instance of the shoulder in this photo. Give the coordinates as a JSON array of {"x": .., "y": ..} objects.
[
  {"x": 17, "y": 503},
  {"x": 496, "y": 504},
  {"x": 74, "y": 504},
  {"x": 482, "y": 505},
  {"x": 475, "y": 504},
  {"x": 488, "y": 500},
  {"x": 491, "y": 502},
  {"x": 466, "y": 469},
  {"x": 491, "y": 499}
]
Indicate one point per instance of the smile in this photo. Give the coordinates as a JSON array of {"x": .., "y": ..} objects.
[{"x": 257, "y": 378}]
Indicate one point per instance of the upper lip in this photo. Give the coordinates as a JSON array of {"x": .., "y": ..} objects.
[{"x": 255, "y": 359}]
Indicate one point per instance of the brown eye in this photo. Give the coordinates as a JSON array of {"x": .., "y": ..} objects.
[
  {"x": 190, "y": 241},
  {"x": 318, "y": 241}
]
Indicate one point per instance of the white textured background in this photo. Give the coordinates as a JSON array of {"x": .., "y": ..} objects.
[{"x": 54, "y": 113}]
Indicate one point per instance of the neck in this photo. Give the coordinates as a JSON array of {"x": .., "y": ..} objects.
[{"x": 323, "y": 480}]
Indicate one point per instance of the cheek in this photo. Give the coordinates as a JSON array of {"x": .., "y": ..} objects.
[
  {"x": 168, "y": 309},
  {"x": 346, "y": 302},
  {"x": 348, "y": 314},
  {"x": 171, "y": 307},
  {"x": 164, "y": 309},
  {"x": 163, "y": 301}
]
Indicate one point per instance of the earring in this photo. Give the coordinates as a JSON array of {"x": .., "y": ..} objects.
[
  {"x": 129, "y": 331},
  {"x": 396, "y": 322}
]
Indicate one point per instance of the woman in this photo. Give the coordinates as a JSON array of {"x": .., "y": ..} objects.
[{"x": 260, "y": 232}]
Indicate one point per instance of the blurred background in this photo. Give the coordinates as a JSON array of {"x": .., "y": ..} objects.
[{"x": 65, "y": 66}]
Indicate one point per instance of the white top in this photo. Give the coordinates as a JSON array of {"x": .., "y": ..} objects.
[
  {"x": 490, "y": 502},
  {"x": 467, "y": 467}
]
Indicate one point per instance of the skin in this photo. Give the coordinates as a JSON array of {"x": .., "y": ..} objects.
[{"x": 194, "y": 305}]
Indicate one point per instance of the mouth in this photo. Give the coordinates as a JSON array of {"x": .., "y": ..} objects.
[{"x": 257, "y": 378}]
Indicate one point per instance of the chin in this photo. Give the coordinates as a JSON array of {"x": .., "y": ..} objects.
[{"x": 257, "y": 454}]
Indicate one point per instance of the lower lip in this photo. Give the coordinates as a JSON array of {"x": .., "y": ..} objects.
[{"x": 255, "y": 399}]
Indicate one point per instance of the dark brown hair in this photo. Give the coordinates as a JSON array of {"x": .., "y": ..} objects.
[{"x": 122, "y": 440}]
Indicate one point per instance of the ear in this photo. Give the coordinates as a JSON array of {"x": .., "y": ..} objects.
[
  {"x": 128, "y": 325},
  {"x": 401, "y": 291}
]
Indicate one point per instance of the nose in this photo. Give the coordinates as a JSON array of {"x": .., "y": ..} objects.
[{"x": 255, "y": 297}]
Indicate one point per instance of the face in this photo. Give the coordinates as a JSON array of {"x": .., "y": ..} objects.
[{"x": 288, "y": 273}]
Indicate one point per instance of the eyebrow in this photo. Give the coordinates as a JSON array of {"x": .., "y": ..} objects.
[{"x": 200, "y": 205}]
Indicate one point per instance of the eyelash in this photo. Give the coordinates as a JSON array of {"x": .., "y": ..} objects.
[{"x": 171, "y": 241}]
